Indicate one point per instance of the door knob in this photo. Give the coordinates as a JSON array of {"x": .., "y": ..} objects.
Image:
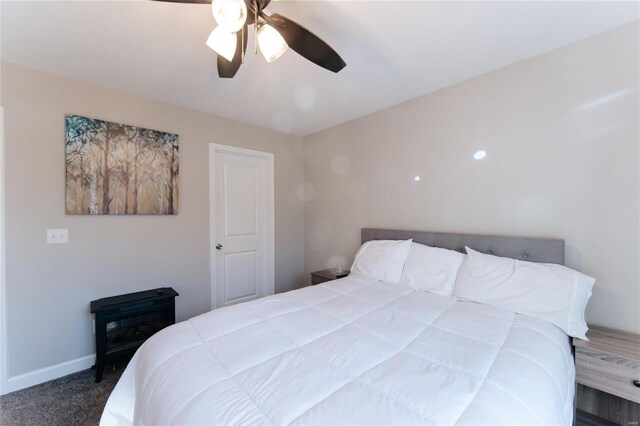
[{"x": 218, "y": 246}]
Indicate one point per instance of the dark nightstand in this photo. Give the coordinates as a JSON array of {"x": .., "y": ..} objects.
[{"x": 327, "y": 275}]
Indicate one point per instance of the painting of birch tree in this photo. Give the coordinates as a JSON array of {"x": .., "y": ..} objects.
[{"x": 115, "y": 169}]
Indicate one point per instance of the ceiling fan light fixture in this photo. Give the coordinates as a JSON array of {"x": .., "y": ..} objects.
[
  {"x": 223, "y": 42},
  {"x": 229, "y": 14},
  {"x": 271, "y": 43}
]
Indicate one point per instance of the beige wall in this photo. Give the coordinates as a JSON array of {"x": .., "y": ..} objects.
[
  {"x": 561, "y": 135},
  {"x": 562, "y": 142},
  {"x": 49, "y": 286}
]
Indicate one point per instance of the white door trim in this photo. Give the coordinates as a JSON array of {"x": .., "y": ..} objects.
[
  {"x": 3, "y": 289},
  {"x": 217, "y": 148}
]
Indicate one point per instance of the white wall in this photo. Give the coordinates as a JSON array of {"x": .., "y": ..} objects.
[
  {"x": 561, "y": 135},
  {"x": 49, "y": 287}
]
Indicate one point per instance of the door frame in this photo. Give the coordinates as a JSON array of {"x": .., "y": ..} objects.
[
  {"x": 214, "y": 149},
  {"x": 3, "y": 287}
]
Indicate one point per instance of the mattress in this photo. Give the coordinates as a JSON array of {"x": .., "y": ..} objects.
[{"x": 350, "y": 351}]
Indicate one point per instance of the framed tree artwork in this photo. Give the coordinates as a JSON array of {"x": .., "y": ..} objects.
[{"x": 115, "y": 169}]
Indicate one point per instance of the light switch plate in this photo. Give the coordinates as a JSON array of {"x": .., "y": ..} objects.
[{"x": 57, "y": 236}]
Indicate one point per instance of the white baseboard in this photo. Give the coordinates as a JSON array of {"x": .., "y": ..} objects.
[{"x": 42, "y": 375}]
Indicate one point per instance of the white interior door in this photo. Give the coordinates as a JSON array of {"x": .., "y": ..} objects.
[{"x": 242, "y": 238}]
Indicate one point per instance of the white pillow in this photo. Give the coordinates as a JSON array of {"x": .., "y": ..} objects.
[
  {"x": 554, "y": 293},
  {"x": 431, "y": 269},
  {"x": 382, "y": 259}
]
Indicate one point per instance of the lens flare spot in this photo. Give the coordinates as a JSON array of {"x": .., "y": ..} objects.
[
  {"x": 305, "y": 98},
  {"x": 305, "y": 191},
  {"x": 340, "y": 164},
  {"x": 479, "y": 155}
]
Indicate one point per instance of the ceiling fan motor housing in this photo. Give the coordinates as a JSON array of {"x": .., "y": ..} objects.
[{"x": 252, "y": 5}]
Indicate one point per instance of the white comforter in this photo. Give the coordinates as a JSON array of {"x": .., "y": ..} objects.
[{"x": 351, "y": 351}]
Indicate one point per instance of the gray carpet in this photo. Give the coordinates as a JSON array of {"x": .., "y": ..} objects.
[{"x": 70, "y": 400}]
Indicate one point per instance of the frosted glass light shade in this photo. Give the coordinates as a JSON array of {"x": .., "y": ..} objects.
[
  {"x": 223, "y": 43},
  {"x": 229, "y": 14},
  {"x": 271, "y": 43}
]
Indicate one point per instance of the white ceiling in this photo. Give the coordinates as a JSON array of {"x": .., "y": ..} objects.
[{"x": 394, "y": 50}]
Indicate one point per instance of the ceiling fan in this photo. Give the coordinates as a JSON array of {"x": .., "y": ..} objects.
[{"x": 274, "y": 35}]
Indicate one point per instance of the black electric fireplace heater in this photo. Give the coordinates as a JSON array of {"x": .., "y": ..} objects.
[{"x": 123, "y": 323}]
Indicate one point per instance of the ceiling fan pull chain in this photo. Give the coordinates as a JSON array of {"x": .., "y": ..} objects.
[
  {"x": 242, "y": 46},
  {"x": 255, "y": 29}
]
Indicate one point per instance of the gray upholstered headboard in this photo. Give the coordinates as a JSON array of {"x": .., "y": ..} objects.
[{"x": 530, "y": 249}]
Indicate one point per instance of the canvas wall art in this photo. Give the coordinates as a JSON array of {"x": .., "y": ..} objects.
[{"x": 115, "y": 169}]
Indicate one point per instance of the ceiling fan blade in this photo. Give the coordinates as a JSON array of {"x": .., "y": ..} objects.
[
  {"x": 186, "y": 1},
  {"x": 306, "y": 44},
  {"x": 227, "y": 69}
]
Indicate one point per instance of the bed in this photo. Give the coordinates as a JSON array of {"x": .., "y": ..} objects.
[{"x": 357, "y": 351}]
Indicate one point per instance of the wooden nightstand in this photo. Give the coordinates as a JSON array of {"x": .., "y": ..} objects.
[
  {"x": 326, "y": 275},
  {"x": 608, "y": 375}
]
